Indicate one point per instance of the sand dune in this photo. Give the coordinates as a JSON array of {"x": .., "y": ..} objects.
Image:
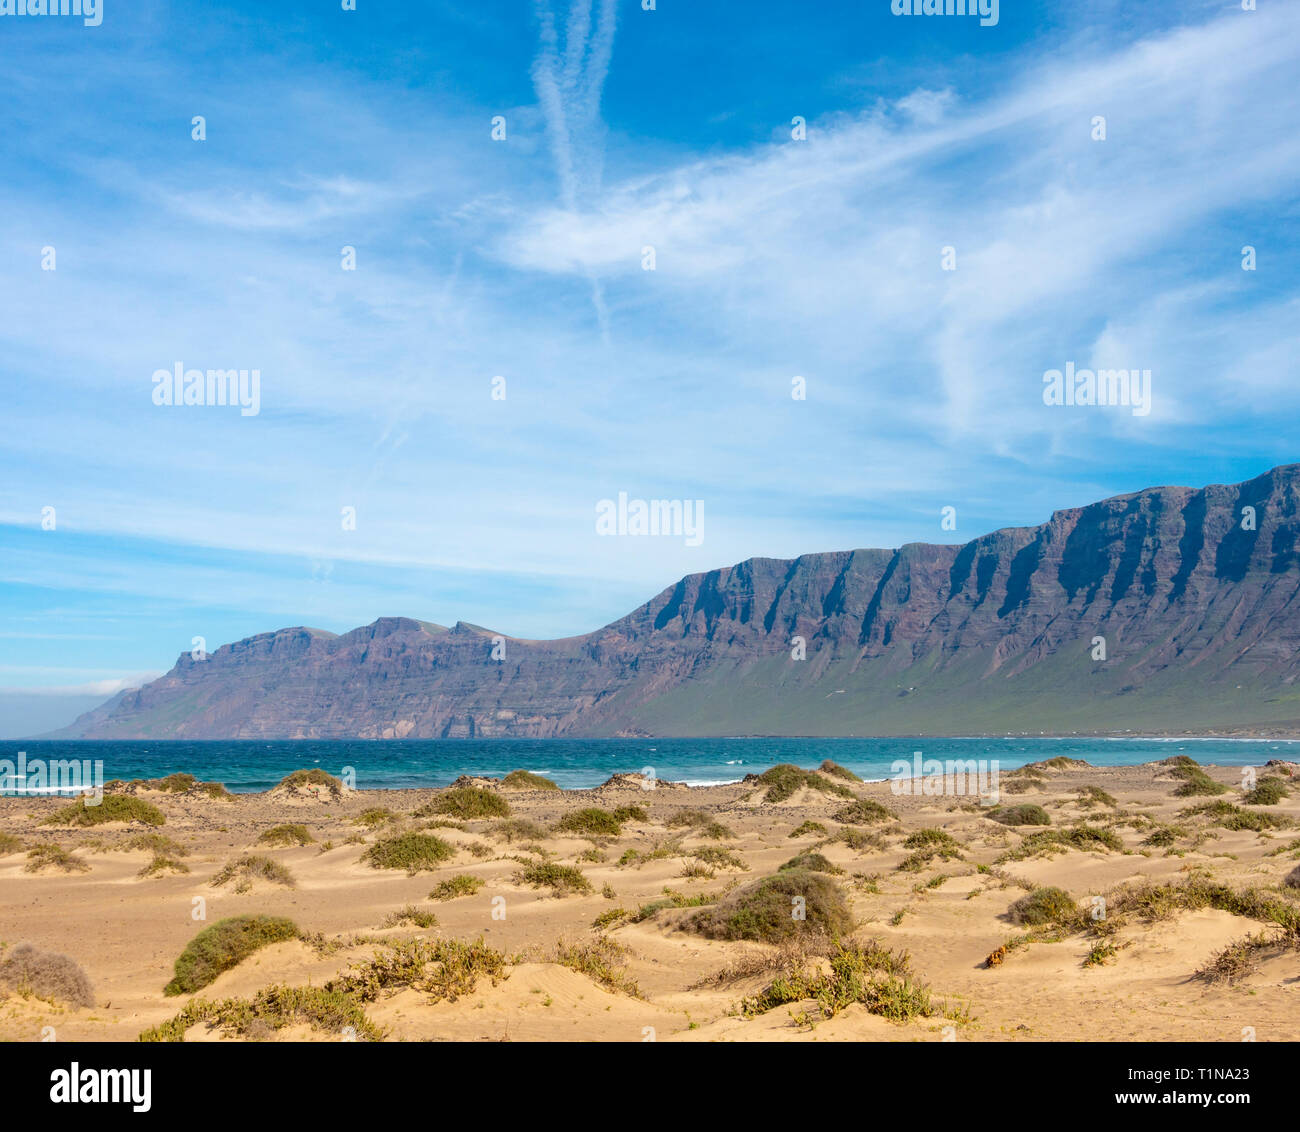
[{"x": 651, "y": 974}]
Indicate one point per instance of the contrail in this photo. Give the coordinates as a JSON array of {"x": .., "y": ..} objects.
[{"x": 569, "y": 82}]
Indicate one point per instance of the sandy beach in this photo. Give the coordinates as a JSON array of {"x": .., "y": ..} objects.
[{"x": 1086, "y": 905}]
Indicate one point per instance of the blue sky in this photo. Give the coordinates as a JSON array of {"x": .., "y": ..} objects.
[{"x": 523, "y": 258}]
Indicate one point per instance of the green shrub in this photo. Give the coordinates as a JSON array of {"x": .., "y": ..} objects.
[
  {"x": 162, "y": 864},
  {"x": 785, "y": 779},
  {"x": 880, "y": 980},
  {"x": 591, "y": 821},
  {"x": 1228, "y": 816},
  {"x": 1195, "y": 780},
  {"x": 158, "y": 843},
  {"x": 1092, "y": 795},
  {"x": 718, "y": 858},
  {"x": 927, "y": 845},
  {"x": 808, "y": 829},
  {"x": 460, "y": 885},
  {"x": 1060, "y": 762},
  {"x": 836, "y": 771},
  {"x": 603, "y": 960},
  {"x": 813, "y": 862},
  {"x": 1024, "y": 814},
  {"x": 864, "y": 810},
  {"x": 562, "y": 880},
  {"x": 672, "y": 900},
  {"x": 411, "y": 915},
  {"x": 518, "y": 829},
  {"x": 439, "y": 969},
  {"x": 223, "y": 945},
  {"x": 112, "y": 807},
  {"x": 1165, "y": 836},
  {"x": 1082, "y": 837},
  {"x": 1267, "y": 792},
  {"x": 1045, "y": 906},
  {"x": 526, "y": 780},
  {"x": 1100, "y": 953},
  {"x": 766, "y": 910},
  {"x": 314, "y": 776},
  {"x": 701, "y": 823},
  {"x": 631, "y": 813},
  {"x": 374, "y": 817},
  {"x": 175, "y": 783},
  {"x": 858, "y": 840},
  {"x": 286, "y": 835},
  {"x": 466, "y": 803},
  {"x": 924, "y": 838},
  {"x": 270, "y": 1010},
  {"x": 51, "y": 856},
  {"x": 1160, "y": 901},
  {"x": 414, "y": 852},
  {"x": 667, "y": 847},
  {"x": 608, "y": 919},
  {"x": 10, "y": 844}
]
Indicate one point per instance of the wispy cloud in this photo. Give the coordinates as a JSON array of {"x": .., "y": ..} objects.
[{"x": 569, "y": 79}]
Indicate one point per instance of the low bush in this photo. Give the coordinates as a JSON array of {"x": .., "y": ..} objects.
[
  {"x": 790, "y": 903},
  {"x": 414, "y": 852},
  {"x": 785, "y": 779},
  {"x": 1024, "y": 814},
  {"x": 286, "y": 835},
  {"x": 26, "y": 970},
  {"x": 591, "y": 821},
  {"x": 453, "y": 887},
  {"x": 249, "y": 867},
  {"x": 223, "y": 945},
  {"x": 864, "y": 810},
  {"x": 466, "y": 803},
  {"x": 112, "y": 807},
  {"x": 562, "y": 880},
  {"x": 527, "y": 780},
  {"x": 1045, "y": 906}
]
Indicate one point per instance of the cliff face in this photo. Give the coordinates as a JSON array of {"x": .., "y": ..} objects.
[{"x": 1197, "y": 607}]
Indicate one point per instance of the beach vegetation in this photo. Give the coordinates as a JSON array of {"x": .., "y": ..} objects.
[
  {"x": 527, "y": 780},
  {"x": 111, "y": 808},
  {"x": 29, "y": 972},
  {"x": 414, "y": 852},
  {"x": 223, "y": 945}
]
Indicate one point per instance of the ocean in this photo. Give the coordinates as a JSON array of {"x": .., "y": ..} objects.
[{"x": 251, "y": 765}]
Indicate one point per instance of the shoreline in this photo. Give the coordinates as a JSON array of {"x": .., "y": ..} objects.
[{"x": 236, "y": 779}]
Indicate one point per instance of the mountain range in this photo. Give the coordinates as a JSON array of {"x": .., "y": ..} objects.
[{"x": 1171, "y": 610}]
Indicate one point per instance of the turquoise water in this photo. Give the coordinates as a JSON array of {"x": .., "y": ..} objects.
[{"x": 575, "y": 763}]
